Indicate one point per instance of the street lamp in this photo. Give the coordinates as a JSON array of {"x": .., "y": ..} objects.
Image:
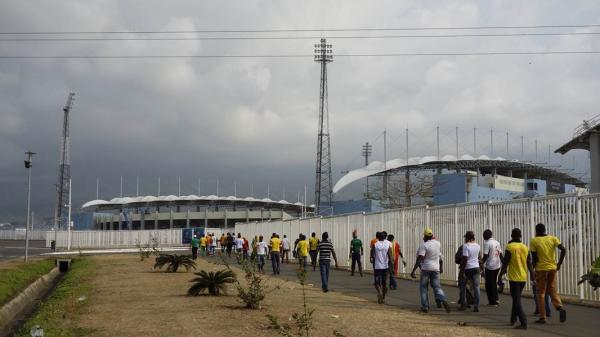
[{"x": 28, "y": 164}]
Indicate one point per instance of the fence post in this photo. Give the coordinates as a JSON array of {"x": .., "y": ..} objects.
[
  {"x": 427, "y": 218},
  {"x": 365, "y": 240},
  {"x": 580, "y": 265},
  {"x": 456, "y": 239},
  {"x": 320, "y": 224},
  {"x": 403, "y": 236},
  {"x": 531, "y": 219},
  {"x": 489, "y": 215}
]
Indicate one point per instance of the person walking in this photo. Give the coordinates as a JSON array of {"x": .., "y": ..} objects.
[
  {"x": 230, "y": 243},
  {"x": 275, "y": 249},
  {"x": 203, "y": 246},
  {"x": 285, "y": 245},
  {"x": 470, "y": 270},
  {"x": 492, "y": 262},
  {"x": 396, "y": 255},
  {"x": 261, "y": 252},
  {"x": 194, "y": 244},
  {"x": 430, "y": 260},
  {"x": 326, "y": 252},
  {"x": 313, "y": 243},
  {"x": 239, "y": 246},
  {"x": 543, "y": 248},
  {"x": 223, "y": 242},
  {"x": 517, "y": 261},
  {"x": 381, "y": 255},
  {"x": 356, "y": 253},
  {"x": 302, "y": 251},
  {"x": 245, "y": 248}
]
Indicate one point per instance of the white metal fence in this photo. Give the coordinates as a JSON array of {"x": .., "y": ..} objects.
[
  {"x": 123, "y": 238},
  {"x": 574, "y": 219},
  {"x": 20, "y": 235}
]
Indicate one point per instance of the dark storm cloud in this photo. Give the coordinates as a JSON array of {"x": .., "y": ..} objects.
[{"x": 254, "y": 121}]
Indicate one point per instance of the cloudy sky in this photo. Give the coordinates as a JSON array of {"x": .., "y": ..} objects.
[{"x": 254, "y": 120}]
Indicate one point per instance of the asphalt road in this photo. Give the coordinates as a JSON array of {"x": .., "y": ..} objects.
[
  {"x": 581, "y": 321},
  {"x": 12, "y": 249}
]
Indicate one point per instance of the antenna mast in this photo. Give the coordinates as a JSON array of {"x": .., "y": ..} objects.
[
  {"x": 323, "y": 181},
  {"x": 64, "y": 168}
]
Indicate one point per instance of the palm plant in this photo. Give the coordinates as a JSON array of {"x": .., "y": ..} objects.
[
  {"x": 174, "y": 261},
  {"x": 593, "y": 275},
  {"x": 214, "y": 282}
]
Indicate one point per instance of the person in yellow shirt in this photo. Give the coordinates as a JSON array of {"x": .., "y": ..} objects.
[
  {"x": 275, "y": 247},
  {"x": 313, "y": 243},
  {"x": 302, "y": 251},
  {"x": 543, "y": 248},
  {"x": 203, "y": 246},
  {"x": 517, "y": 261}
]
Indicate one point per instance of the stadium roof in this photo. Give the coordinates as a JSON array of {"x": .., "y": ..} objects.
[
  {"x": 186, "y": 200},
  {"x": 465, "y": 162}
]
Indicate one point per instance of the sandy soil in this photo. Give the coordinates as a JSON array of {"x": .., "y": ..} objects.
[{"x": 130, "y": 299}]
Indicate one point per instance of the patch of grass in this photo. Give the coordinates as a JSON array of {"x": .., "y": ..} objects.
[
  {"x": 57, "y": 315},
  {"x": 18, "y": 276}
]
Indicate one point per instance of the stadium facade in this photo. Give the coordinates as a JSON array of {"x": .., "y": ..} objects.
[{"x": 168, "y": 212}]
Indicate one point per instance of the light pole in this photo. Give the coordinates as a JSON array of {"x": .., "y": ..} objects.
[{"x": 28, "y": 159}]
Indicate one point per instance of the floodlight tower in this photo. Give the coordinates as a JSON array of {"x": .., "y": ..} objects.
[
  {"x": 323, "y": 181},
  {"x": 64, "y": 168}
]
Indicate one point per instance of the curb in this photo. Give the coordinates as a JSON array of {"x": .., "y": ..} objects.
[{"x": 13, "y": 312}]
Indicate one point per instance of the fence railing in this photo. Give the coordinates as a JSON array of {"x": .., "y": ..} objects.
[
  {"x": 122, "y": 238},
  {"x": 20, "y": 235},
  {"x": 574, "y": 219}
]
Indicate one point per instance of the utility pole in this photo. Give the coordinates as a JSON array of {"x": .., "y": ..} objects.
[
  {"x": 137, "y": 186},
  {"x": 69, "y": 222},
  {"x": 457, "y": 142},
  {"x": 323, "y": 180},
  {"x": 178, "y": 186},
  {"x": 385, "y": 180},
  {"x": 366, "y": 152},
  {"x": 64, "y": 169},
  {"x": 158, "y": 195},
  {"x": 28, "y": 164},
  {"x": 474, "y": 141},
  {"x": 121, "y": 193},
  {"x": 492, "y": 142},
  {"x": 437, "y": 135},
  {"x": 97, "y": 187}
]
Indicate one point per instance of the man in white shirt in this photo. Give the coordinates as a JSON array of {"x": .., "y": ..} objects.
[
  {"x": 430, "y": 260},
  {"x": 285, "y": 245},
  {"x": 470, "y": 270},
  {"x": 239, "y": 245},
  {"x": 381, "y": 255},
  {"x": 261, "y": 252},
  {"x": 492, "y": 262}
]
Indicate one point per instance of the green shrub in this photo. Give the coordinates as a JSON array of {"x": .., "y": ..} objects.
[
  {"x": 174, "y": 261},
  {"x": 214, "y": 282}
]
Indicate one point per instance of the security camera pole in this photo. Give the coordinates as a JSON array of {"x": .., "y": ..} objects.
[{"x": 28, "y": 159}]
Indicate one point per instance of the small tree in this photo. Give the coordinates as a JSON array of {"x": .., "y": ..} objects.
[
  {"x": 214, "y": 282},
  {"x": 174, "y": 261},
  {"x": 254, "y": 293}
]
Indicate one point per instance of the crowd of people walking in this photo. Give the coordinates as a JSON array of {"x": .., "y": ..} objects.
[{"x": 517, "y": 262}]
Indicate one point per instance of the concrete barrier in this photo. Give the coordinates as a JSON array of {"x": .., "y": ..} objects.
[{"x": 14, "y": 312}]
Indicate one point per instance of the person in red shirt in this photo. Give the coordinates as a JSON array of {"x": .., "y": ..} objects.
[{"x": 245, "y": 247}]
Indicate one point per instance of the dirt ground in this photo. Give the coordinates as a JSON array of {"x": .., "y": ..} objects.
[{"x": 130, "y": 299}]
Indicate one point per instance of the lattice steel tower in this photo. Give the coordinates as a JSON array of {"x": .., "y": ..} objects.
[
  {"x": 323, "y": 182},
  {"x": 64, "y": 168}
]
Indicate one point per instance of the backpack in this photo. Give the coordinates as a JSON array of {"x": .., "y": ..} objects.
[{"x": 458, "y": 255}]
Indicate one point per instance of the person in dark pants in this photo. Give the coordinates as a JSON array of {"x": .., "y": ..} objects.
[
  {"x": 356, "y": 252},
  {"x": 517, "y": 261},
  {"x": 492, "y": 262},
  {"x": 326, "y": 252},
  {"x": 195, "y": 243},
  {"x": 470, "y": 270},
  {"x": 275, "y": 246}
]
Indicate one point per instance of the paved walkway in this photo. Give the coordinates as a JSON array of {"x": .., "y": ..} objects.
[{"x": 581, "y": 321}]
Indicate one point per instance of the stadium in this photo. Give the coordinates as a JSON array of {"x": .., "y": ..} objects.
[{"x": 169, "y": 212}]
